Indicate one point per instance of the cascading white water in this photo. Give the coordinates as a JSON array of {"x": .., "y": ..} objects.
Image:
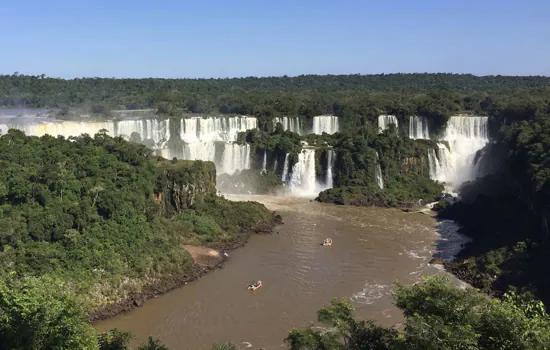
[
  {"x": 148, "y": 129},
  {"x": 418, "y": 128},
  {"x": 200, "y": 151},
  {"x": 466, "y": 135},
  {"x": 325, "y": 123},
  {"x": 63, "y": 128},
  {"x": 235, "y": 158},
  {"x": 264, "y": 164},
  {"x": 214, "y": 128},
  {"x": 289, "y": 123},
  {"x": 302, "y": 178},
  {"x": 440, "y": 162},
  {"x": 286, "y": 165},
  {"x": 378, "y": 174},
  {"x": 201, "y": 135},
  {"x": 384, "y": 122},
  {"x": 330, "y": 163}
]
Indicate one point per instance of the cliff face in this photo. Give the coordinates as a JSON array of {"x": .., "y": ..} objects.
[{"x": 183, "y": 183}]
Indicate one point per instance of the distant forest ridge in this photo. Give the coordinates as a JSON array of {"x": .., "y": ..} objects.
[{"x": 303, "y": 95}]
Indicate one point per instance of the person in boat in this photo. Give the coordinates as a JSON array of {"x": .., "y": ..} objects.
[{"x": 254, "y": 284}]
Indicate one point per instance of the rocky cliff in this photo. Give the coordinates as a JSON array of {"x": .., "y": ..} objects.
[{"x": 183, "y": 183}]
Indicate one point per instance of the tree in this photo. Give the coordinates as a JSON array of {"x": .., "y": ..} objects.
[
  {"x": 40, "y": 314},
  {"x": 437, "y": 316}
]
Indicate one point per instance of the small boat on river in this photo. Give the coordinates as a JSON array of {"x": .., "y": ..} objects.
[
  {"x": 327, "y": 242},
  {"x": 254, "y": 285}
]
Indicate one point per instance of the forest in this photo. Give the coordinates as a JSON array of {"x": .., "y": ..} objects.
[
  {"x": 89, "y": 209},
  {"x": 87, "y": 222},
  {"x": 355, "y": 98}
]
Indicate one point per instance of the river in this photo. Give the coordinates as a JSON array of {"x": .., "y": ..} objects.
[{"x": 373, "y": 247}]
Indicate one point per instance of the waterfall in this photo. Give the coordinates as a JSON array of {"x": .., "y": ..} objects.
[
  {"x": 208, "y": 139},
  {"x": 289, "y": 123},
  {"x": 418, "y": 128},
  {"x": 264, "y": 164},
  {"x": 275, "y": 165},
  {"x": 302, "y": 178},
  {"x": 148, "y": 129},
  {"x": 154, "y": 130},
  {"x": 63, "y": 128},
  {"x": 201, "y": 135},
  {"x": 200, "y": 151},
  {"x": 378, "y": 173},
  {"x": 325, "y": 123},
  {"x": 384, "y": 122},
  {"x": 235, "y": 157},
  {"x": 284, "y": 177},
  {"x": 466, "y": 135},
  {"x": 214, "y": 128},
  {"x": 330, "y": 163}
]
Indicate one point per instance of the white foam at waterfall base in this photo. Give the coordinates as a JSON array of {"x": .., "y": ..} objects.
[
  {"x": 418, "y": 128},
  {"x": 384, "y": 122},
  {"x": 325, "y": 123},
  {"x": 302, "y": 179}
]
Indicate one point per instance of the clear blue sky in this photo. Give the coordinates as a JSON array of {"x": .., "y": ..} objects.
[{"x": 227, "y": 38}]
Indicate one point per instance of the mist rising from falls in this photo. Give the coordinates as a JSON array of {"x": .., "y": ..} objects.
[
  {"x": 384, "y": 122},
  {"x": 325, "y": 123},
  {"x": 292, "y": 124},
  {"x": 378, "y": 173},
  {"x": 418, "y": 128}
]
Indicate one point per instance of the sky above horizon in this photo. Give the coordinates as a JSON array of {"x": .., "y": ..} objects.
[{"x": 235, "y": 38}]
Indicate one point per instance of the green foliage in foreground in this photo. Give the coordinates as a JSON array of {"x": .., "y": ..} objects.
[
  {"x": 40, "y": 314},
  {"x": 437, "y": 316}
]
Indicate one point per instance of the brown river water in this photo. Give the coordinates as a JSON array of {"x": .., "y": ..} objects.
[{"x": 373, "y": 247}]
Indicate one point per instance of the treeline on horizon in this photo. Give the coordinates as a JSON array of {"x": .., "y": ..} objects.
[{"x": 356, "y": 98}]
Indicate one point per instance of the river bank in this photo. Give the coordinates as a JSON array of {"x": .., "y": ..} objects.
[
  {"x": 373, "y": 247},
  {"x": 205, "y": 259}
]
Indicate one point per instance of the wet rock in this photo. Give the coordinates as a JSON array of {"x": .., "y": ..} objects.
[
  {"x": 437, "y": 261},
  {"x": 138, "y": 301}
]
